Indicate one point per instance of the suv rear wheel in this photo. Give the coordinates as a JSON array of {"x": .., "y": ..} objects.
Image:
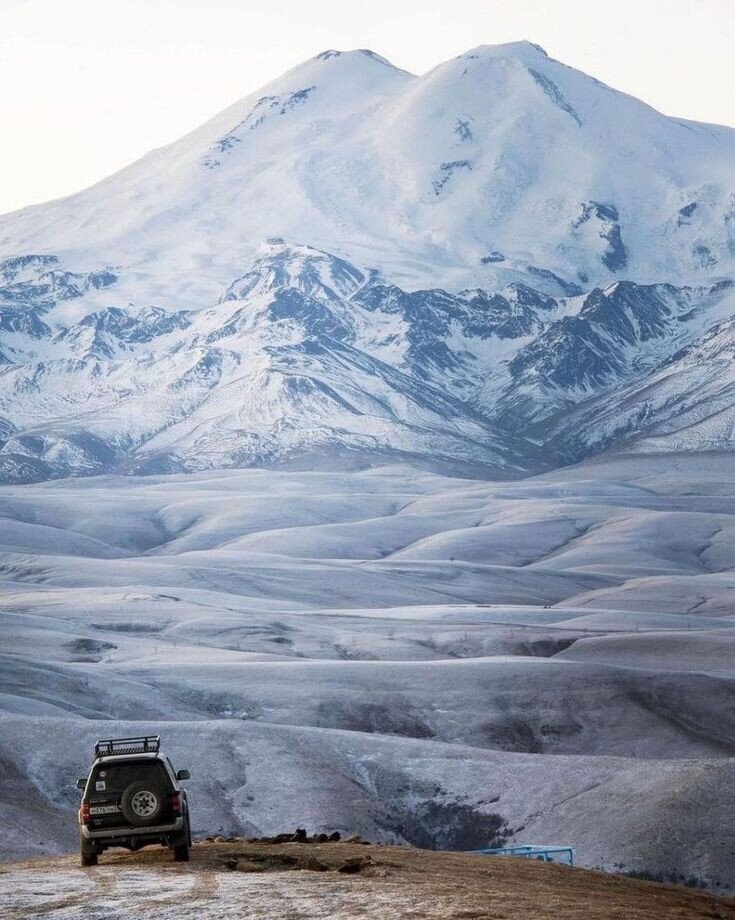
[
  {"x": 182, "y": 843},
  {"x": 181, "y": 852},
  {"x": 88, "y": 857}
]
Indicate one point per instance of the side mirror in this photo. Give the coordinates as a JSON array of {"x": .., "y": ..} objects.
[
  {"x": 183, "y": 774},
  {"x": 81, "y": 783}
]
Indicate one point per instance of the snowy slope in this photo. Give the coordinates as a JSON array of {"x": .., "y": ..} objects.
[{"x": 391, "y": 652}]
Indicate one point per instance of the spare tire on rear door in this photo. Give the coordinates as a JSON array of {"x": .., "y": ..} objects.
[{"x": 142, "y": 803}]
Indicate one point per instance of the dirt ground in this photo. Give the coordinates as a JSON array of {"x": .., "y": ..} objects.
[{"x": 291, "y": 881}]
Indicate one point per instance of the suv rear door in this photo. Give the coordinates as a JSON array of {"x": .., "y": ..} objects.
[{"x": 108, "y": 782}]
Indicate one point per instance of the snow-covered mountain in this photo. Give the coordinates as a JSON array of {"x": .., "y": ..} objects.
[{"x": 502, "y": 265}]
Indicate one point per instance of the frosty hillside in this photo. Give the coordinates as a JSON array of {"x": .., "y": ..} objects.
[
  {"x": 393, "y": 653},
  {"x": 373, "y": 443}
]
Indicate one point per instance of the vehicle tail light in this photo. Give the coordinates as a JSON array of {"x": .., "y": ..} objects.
[
  {"x": 175, "y": 799},
  {"x": 84, "y": 813}
]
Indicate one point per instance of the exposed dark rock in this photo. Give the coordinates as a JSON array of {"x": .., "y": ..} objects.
[
  {"x": 38, "y": 282},
  {"x": 569, "y": 354},
  {"x": 447, "y": 171},
  {"x": 104, "y": 333},
  {"x": 435, "y": 825},
  {"x": 89, "y": 649},
  {"x": 568, "y": 288},
  {"x": 493, "y": 314},
  {"x": 316, "y": 319},
  {"x": 703, "y": 255},
  {"x": 354, "y": 865},
  {"x": 381, "y": 718},
  {"x": 554, "y": 93},
  {"x": 607, "y": 217},
  {"x": 243, "y": 865},
  {"x": 530, "y": 297},
  {"x": 462, "y": 129},
  {"x": 587, "y": 350},
  {"x": 630, "y": 312},
  {"x": 310, "y": 864},
  {"x": 299, "y": 836},
  {"x": 616, "y": 257}
]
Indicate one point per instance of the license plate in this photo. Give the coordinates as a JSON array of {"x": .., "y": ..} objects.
[{"x": 104, "y": 810}]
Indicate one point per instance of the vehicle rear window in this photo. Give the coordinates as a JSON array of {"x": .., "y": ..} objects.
[{"x": 118, "y": 776}]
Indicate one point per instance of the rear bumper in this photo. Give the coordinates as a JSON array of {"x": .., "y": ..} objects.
[{"x": 158, "y": 830}]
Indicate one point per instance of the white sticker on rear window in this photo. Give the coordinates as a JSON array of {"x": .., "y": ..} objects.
[{"x": 100, "y": 785}]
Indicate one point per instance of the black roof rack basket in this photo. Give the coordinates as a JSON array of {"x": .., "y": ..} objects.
[{"x": 145, "y": 744}]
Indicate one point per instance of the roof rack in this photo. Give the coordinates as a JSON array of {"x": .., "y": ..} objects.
[{"x": 145, "y": 744}]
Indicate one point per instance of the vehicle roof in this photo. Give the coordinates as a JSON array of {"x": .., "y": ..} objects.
[{"x": 123, "y": 758}]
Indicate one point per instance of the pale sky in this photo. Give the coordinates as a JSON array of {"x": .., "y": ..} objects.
[{"x": 87, "y": 86}]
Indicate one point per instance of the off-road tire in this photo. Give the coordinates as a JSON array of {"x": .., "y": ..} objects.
[
  {"x": 181, "y": 852},
  {"x": 87, "y": 857},
  {"x": 142, "y": 803},
  {"x": 181, "y": 843}
]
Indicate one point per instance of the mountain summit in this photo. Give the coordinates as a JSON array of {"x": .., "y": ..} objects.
[
  {"x": 494, "y": 161},
  {"x": 467, "y": 266}
]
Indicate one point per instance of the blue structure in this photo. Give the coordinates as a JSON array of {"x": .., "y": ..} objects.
[{"x": 533, "y": 851}]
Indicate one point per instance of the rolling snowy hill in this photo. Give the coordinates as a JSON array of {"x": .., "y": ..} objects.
[
  {"x": 501, "y": 265},
  {"x": 395, "y": 653}
]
